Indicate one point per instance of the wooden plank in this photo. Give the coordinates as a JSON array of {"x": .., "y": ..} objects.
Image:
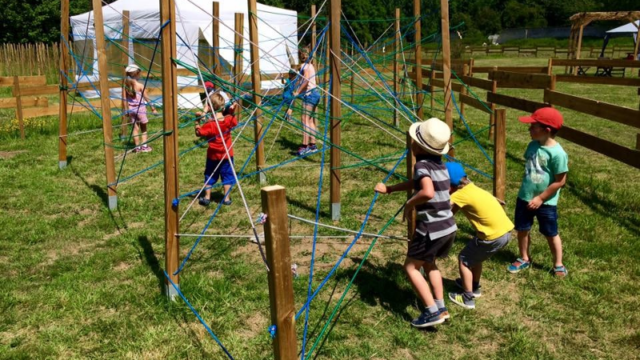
[
  {"x": 515, "y": 103},
  {"x": 10, "y": 103},
  {"x": 88, "y": 86},
  {"x": 280, "y": 277},
  {"x": 473, "y": 102},
  {"x": 516, "y": 80},
  {"x": 619, "y": 114},
  {"x": 440, "y": 84},
  {"x": 604, "y": 147},
  {"x": 477, "y": 82},
  {"x": 600, "y": 63},
  {"x": 37, "y": 90},
  {"x": 6, "y": 81},
  {"x": 518, "y": 69},
  {"x": 500, "y": 155},
  {"x": 598, "y": 80}
]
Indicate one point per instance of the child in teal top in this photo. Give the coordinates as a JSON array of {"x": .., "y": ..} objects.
[{"x": 545, "y": 174}]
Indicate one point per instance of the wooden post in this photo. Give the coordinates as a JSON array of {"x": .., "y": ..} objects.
[
  {"x": 124, "y": 43},
  {"x": 446, "y": 62},
  {"x": 396, "y": 70},
  {"x": 215, "y": 31},
  {"x": 64, "y": 73},
  {"x": 18, "y": 96},
  {"x": 411, "y": 161},
  {"x": 432, "y": 88},
  {"x": 353, "y": 77},
  {"x": 107, "y": 130},
  {"x": 276, "y": 237},
  {"x": 314, "y": 36},
  {"x": 335, "y": 8},
  {"x": 418, "y": 56},
  {"x": 637, "y": 48},
  {"x": 550, "y": 67},
  {"x": 492, "y": 116},
  {"x": 464, "y": 90},
  {"x": 170, "y": 116},
  {"x": 578, "y": 48},
  {"x": 238, "y": 70},
  {"x": 327, "y": 72},
  {"x": 256, "y": 80},
  {"x": 500, "y": 155}
]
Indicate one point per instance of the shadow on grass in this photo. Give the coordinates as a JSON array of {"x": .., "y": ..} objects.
[
  {"x": 335, "y": 321},
  {"x": 306, "y": 206},
  {"x": 150, "y": 258}
]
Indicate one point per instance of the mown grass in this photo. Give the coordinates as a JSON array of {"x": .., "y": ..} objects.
[{"x": 83, "y": 282}]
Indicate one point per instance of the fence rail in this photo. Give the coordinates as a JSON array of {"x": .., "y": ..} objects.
[{"x": 538, "y": 51}]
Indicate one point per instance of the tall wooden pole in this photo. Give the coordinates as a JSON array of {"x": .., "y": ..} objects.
[
  {"x": 107, "y": 130},
  {"x": 396, "y": 69},
  {"x": 18, "y": 96},
  {"x": 215, "y": 31},
  {"x": 276, "y": 236},
  {"x": 314, "y": 36},
  {"x": 411, "y": 161},
  {"x": 636, "y": 49},
  {"x": 327, "y": 72},
  {"x": 238, "y": 44},
  {"x": 500, "y": 155},
  {"x": 418, "y": 57},
  {"x": 446, "y": 61},
  {"x": 256, "y": 80},
  {"x": 170, "y": 116},
  {"x": 336, "y": 110},
  {"x": 124, "y": 43},
  {"x": 64, "y": 73}
]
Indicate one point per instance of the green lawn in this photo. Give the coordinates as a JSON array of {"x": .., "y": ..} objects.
[{"x": 83, "y": 282}]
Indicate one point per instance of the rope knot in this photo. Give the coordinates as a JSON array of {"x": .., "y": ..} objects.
[{"x": 262, "y": 218}]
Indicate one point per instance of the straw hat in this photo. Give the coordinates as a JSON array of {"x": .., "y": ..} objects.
[
  {"x": 132, "y": 68},
  {"x": 432, "y": 135}
]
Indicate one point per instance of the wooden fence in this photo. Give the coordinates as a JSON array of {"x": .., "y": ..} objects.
[{"x": 538, "y": 51}]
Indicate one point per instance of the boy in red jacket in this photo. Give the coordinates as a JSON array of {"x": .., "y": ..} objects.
[{"x": 219, "y": 163}]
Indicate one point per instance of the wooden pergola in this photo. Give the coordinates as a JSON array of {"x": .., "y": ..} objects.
[{"x": 580, "y": 20}]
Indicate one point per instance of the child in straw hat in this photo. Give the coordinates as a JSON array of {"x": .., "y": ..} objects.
[{"x": 435, "y": 225}]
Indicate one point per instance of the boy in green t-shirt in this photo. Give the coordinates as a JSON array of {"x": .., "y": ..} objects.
[{"x": 545, "y": 174}]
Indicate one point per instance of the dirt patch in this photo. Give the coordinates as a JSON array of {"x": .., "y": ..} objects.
[
  {"x": 9, "y": 154},
  {"x": 122, "y": 266}
]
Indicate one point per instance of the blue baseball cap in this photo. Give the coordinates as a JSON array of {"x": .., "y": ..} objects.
[{"x": 456, "y": 172}]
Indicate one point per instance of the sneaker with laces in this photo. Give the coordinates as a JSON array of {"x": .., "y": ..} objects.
[
  {"x": 312, "y": 149},
  {"x": 204, "y": 201},
  {"x": 136, "y": 149},
  {"x": 463, "y": 300},
  {"x": 146, "y": 148},
  {"x": 477, "y": 291},
  {"x": 560, "y": 271},
  {"x": 302, "y": 150},
  {"x": 427, "y": 319},
  {"x": 519, "y": 265}
]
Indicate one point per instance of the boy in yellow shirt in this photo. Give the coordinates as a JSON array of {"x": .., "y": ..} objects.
[{"x": 492, "y": 227}]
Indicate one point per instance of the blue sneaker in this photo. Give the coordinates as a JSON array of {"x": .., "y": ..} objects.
[
  {"x": 462, "y": 300},
  {"x": 519, "y": 265},
  {"x": 427, "y": 319},
  {"x": 302, "y": 150},
  {"x": 444, "y": 313},
  {"x": 312, "y": 149},
  {"x": 477, "y": 291}
]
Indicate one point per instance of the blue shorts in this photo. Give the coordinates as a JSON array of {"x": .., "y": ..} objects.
[
  {"x": 311, "y": 97},
  {"x": 547, "y": 216},
  {"x": 224, "y": 170}
]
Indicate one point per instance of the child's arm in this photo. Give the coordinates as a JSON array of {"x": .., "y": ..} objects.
[
  {"x": 145, "y": 95},
  {"x": 426, "y": 193},
  {"x": 536, "y": 202},
  {"x": 403, "y": 186}
]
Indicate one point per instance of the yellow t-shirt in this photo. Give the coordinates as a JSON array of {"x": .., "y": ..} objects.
[{"x": 483, "y": 211}]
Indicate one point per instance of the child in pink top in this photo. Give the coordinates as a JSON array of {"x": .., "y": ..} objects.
[{"x": 137, "y": 100}]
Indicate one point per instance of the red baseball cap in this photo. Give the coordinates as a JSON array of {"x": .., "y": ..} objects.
[
  {"x": 208, "y": 85},
  {"x": 546, "y": 116}
]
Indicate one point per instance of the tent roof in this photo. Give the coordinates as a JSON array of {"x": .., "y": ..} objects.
[{"x": 629, "y": 28}]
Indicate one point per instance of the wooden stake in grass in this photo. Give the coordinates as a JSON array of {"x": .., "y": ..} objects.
[
  {"x": 257, "y": 82},
  {"x": 418, "y": 56},
  {"x": 276, "y": 236},
  {"x": 446, "y": 66},
  {"x": 107, "y": 130},
  {"x": 18, "y": 96},
  {"x": 336, "y": 109},
  {"x": 396, "y": 69},
  {"x": 215, "y": 30},
  {"x": 500, "y": 155},
  {"x": 124, "y": 43},
  {"x": 411, "y": 161},
  {"x": 237, "y": 62},
  {"x": 64, "y": 68},
  {"x": 170, "y": 116}
]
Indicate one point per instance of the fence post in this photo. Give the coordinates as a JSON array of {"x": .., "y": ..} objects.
[
  {"x": 216, "y": 65},
  {"x": 64, "y": 73},
  {"x": 411, "y": 161},
  {"x": 276, "y": 238},
  {"x": 336, "y": 109},
  {"x": 396, "y": 70},
  {"x": 237, "y": 59},
  {"x": 18, "y": 96},
  {"x": 418, "y": 59},
  {"x": 257, "y": 86},
  {"x": 500, "y": 155},
  {"x": 492, "y": 116},
  {"x": 124, "y": 43}
]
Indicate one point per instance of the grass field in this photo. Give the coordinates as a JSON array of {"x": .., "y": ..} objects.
[{"x": 83, "y": 282}]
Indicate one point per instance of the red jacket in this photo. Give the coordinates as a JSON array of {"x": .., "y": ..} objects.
[{"x": 210, "y": 131}]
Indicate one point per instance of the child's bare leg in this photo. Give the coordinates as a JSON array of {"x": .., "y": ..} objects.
[
  {"x": 435, "y": 278},
  {"x": 555, "y": 244},
  {"x": 477, "y": 273},
  {"x": 226, "y": 192},
  {"x": 143, "y": 128},
  {"x": 468, "y": 276},
  {"x": 305, "y": 127},
  {"x": 524, "y": 240},
  {"x": 420, "y": 285},
  {"x": 311, "y": 120},
  {"x": 136, "y": 134},
  {"x": 207, "y": 192}
]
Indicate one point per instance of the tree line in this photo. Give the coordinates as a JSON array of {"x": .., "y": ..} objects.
[{"x": 39, "y": 20}]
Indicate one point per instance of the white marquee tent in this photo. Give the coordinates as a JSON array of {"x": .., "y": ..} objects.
[
  {"x": 630, "y": 28},
  {"x": 278, "y": 30}
]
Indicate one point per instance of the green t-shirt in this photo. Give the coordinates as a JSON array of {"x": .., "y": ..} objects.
[{"x": 543, "y": 163}]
